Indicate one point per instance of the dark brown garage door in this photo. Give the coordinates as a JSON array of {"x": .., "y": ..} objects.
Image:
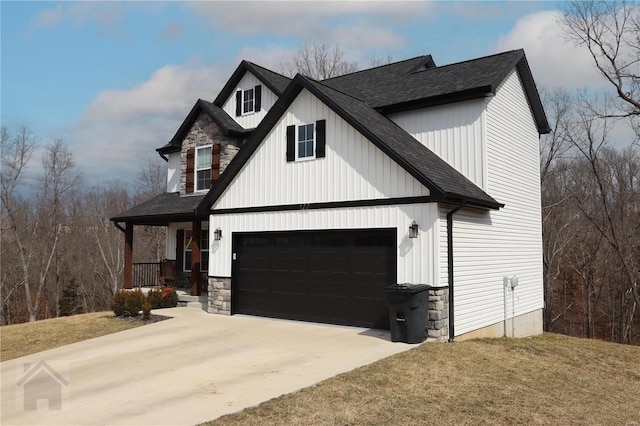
[{"x": 330, "y": 276}]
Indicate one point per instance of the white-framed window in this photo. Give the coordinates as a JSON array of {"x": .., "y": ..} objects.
[
  {"x": 305, "y": 141},
  {"x": 203, "y": 168},
  {"x": 248, "y": 101},
  {"x": 204, "y": 250}
]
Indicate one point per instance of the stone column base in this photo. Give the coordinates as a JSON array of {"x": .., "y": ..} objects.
[{"x": 438, "y": 311}]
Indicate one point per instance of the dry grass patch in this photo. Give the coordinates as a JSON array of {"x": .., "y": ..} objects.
[
  {"x": 28, "y": 338},
  {"x": 550, "y": 379}
]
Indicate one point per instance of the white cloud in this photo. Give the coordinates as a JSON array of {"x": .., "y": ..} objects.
[
  {"x": 554, "y": 61},
  {"x": 121, "y": 129},
  {"x": 108, "y": 17},
  {"x": 316, "y": 20}
]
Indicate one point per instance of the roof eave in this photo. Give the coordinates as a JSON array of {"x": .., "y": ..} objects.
[{"x": 448, "y": 98}]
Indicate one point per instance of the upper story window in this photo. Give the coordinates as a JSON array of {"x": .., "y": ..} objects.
[
  {"x": 306, "y": 141},
  {"x": 248, "y": 101},
  {"x": 203, "y": 168}
]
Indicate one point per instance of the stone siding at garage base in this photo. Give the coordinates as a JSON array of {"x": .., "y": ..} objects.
[
  {"x": 438, "y": 311},
  {"x": 219, "y": 296}
]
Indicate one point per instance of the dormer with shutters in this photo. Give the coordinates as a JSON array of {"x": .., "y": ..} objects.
[{"x": 250, "y": 93}]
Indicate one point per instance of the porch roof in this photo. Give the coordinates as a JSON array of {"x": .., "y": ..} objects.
[{"x": 161, "y": 210}]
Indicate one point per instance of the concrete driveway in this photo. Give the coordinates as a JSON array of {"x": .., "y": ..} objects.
[{"x": 189, "y": 369}]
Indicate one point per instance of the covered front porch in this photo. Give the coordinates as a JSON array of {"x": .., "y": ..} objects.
[{"x": 186, "y": 259}]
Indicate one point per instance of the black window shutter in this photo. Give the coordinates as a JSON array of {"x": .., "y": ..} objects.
[
  {"x": 238, "y": 103},
  {"x": 258, "y": 98},
  {"x": 291, "y": 143},
  {"x": 320, "y": 137}
]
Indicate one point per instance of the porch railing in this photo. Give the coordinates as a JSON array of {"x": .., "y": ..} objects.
[{"x": 145, "y": 274}]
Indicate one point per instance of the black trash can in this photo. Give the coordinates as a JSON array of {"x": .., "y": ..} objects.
[{"x": 408, "y": 310}]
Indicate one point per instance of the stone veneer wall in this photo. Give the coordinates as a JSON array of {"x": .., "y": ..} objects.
[
  {"x": 219, "y": 301},
  {"x": 205, "y": 131},
  {"x": 438, "y": 311}
]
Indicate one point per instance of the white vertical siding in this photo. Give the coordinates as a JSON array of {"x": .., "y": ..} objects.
[
  {"x": 417, "y": 257},
  {"x": 455, "y": 132},
  {"x": 173, "y": 172},
  {"x": 353, "y": 169},
  {"x": 490, "y": 245},
  {"x": 268, "y": 98}
]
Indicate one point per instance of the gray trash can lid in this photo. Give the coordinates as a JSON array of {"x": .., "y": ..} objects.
[{"x": 406, "y": 288}]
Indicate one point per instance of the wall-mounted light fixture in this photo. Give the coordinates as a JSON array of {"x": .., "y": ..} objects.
[
  {"x": 217, "y": 234},
  {"x": 413, "y": 230}
]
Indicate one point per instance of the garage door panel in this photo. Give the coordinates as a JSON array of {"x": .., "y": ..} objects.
[{"x": 332, "y": 276}]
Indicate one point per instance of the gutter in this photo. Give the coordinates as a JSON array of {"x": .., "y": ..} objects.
[{"x": 450, "y": 266}]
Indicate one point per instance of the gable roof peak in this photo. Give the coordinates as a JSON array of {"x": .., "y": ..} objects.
[{"x": 277, "y": 83}]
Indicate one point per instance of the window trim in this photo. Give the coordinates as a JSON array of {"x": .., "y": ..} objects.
[
  {"x": 297, "y": 142},
  {"x": 196, "y": 169},
  {"x": 253, "y": 101}
]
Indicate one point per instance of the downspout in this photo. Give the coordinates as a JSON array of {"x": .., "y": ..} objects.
[{"x": 450, "y": 266}]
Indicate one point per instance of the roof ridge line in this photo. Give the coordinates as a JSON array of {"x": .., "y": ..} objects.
[
  {"x": 379, "y": 66},
  {"x": 477, "y": 59}
]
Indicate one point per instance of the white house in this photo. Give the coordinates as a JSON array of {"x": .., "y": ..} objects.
[{"x": 305, "y": 193}]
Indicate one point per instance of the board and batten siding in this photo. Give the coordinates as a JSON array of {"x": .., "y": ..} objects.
[
  {"x": 491, "y": 245},
  {"x": 268, "y": 98},
  {"x": 417, "y": 257},
  {"x": 173, "y": 172},
  {"x": 352, "y": 169},
  {"x": 455, "y": 132}
]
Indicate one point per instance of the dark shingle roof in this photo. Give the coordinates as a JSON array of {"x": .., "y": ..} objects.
[
  {"x": 277, "y": 83},
  {"x": 162, "y": 209},
  {"x": 227, "y": 124},
  {"x": 444, "y": 182},
  {"x": 396, "y": 87},
  {"x": 431, "y": 170}
]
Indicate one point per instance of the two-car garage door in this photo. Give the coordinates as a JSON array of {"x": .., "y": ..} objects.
[{"x": 334, "y": 277}]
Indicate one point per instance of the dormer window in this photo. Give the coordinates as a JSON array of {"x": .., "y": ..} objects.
[
  {"x": 203, "y": 168},
  {"x": 248, "y": 100}
]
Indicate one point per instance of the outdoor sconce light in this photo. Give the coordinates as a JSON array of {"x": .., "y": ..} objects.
[
  {"x": 413, "y": 230},
  {"x": 217, "y": 234}
]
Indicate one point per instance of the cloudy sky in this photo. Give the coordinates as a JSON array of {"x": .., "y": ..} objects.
[{"x": 114, "y": 80}]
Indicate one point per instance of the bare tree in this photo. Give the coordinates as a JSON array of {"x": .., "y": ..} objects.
[
  {"x": 319, "y": 61},
  {"x": 35, "y": 224},
  {"x": 607, "y": 200},
  {"x": 611, "y": 32},
  {"x": 152, "y": 181},
  {"x": 557, "y": 217},
  {"x": 107, "y": 261},
  {"x": 377, "y": 61}
]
